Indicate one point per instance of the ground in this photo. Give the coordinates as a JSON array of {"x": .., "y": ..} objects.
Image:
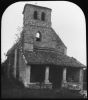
[{"x": 13, "y": 89}]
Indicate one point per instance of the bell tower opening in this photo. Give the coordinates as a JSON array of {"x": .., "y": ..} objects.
[
  {"x": 35, "y": 15},
  {"x": 43, "y": 16},
  {"x": 38, "y": 36}
]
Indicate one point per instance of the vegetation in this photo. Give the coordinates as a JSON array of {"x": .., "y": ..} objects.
[{"x": 11, "y": 88}]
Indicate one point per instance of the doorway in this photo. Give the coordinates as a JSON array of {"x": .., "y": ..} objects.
[
  {"x": 37, "y": 73},
  {"x": 56, "y": 76}
]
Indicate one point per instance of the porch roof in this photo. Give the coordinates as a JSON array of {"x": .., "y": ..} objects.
[{"x": 47, "y": 57}]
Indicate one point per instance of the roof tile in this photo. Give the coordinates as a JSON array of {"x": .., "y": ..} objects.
[{"x": 47, "y": 57}]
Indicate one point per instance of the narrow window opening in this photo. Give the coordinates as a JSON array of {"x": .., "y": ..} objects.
[
  {"x": 43, "y": 16},
  {"x": 35, "y": 15},
  {"x": 38, "y": 36}
]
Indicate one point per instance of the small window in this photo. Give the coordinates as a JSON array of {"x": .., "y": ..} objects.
[
  {"x": 35, "y": 15},
  {"x": 43, "y": 16},
  {"x": 38, "y": 36}
]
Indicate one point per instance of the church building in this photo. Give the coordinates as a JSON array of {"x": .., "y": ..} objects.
[{"x": 39, "y": 58}]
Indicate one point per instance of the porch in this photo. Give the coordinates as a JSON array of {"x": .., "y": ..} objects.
[
  {"x": 73, "y": 79},
  {"x": 40, "y": 76}
]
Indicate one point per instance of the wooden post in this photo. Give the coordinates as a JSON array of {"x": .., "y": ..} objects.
[
  {"x": 15, "y": 62},
  {"x": 47, "y": 75}
]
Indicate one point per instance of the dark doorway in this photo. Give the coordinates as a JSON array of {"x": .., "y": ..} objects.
[
  {"x": 37, "y": 73},
  {"x": 56, "y": 76}
]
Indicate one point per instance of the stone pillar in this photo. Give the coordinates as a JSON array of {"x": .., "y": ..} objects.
[
  {"x": 15, "y": 62},
  {"x": 27, "y": 76},
  {"x": 64, "y": 84},
  {"x": 47, "y": 75},
  {"x": 81, "y": 78},
  {"x": 64, "y": 74}
]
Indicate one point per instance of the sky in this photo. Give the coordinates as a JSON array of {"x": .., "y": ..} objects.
[{"x": 68, "y": 20}]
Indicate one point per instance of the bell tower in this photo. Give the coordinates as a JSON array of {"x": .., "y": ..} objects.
[
  {"x": 35, "y": 18},
  {"x": 37, "y": 31},
  {"x": 37, "y": 15}
]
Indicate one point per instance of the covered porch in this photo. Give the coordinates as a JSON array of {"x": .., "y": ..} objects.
[
  {"x": 40, "y": 76},
  {"x": 43, "y": 69},
  {"x": 73, "y": 78}
]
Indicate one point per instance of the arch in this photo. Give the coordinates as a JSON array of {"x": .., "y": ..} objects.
[
  {"x": 35, "y": 15},
  {"x": 43, "y": 16},
  {"x": 38, "y": 36}
]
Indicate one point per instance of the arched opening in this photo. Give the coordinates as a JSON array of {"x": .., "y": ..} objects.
[
  {"x": 38, "y": 36},
  {"x": 35, "y": 15},
  {"x": 43, "y": 16}
]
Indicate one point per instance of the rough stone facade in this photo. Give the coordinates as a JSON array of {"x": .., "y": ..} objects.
[
  {"x": 49, "y": 38},
  {"x": 28, "y": 15}
]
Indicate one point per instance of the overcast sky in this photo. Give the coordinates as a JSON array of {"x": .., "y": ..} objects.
[{"x": 68, "y": 21}]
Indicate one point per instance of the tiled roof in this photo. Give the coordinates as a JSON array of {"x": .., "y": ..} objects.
[
  {"x": 45, "y": 57},
  {"x": 16, "y": 45}
]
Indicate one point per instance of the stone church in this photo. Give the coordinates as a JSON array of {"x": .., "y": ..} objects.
[{"x": 39, "y": 58}]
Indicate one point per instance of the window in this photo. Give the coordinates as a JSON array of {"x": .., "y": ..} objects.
[
  {"x": 35, "y": 15},
  {"x": 43, "y": 16},
  {"x": 38, "y": 36}
]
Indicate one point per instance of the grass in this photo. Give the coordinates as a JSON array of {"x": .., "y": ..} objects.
[{"x": 13, "y": 89}]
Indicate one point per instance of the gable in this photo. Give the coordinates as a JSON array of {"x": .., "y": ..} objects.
[{"x": 49, "y": 39}]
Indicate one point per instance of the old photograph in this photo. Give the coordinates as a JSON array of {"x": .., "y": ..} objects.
[{"x": 43, "y": 50}]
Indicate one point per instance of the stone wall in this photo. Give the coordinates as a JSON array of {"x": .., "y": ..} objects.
[
  {"x": 49, "y": 39},
  {"x": 28, "y": 16}
]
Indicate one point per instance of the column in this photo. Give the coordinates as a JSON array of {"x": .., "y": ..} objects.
[
  {"x": 47, "y": 75},
  {"x": 64, "y": 74},
  {"x": 15, "y": 62},
  {"x": 64, "y": 84},
  {"x": 28, "y": 74},
  {"x": 81, "y": 77}
]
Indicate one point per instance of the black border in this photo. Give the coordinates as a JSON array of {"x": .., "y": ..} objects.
[{"x": 81, "y": 3}]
